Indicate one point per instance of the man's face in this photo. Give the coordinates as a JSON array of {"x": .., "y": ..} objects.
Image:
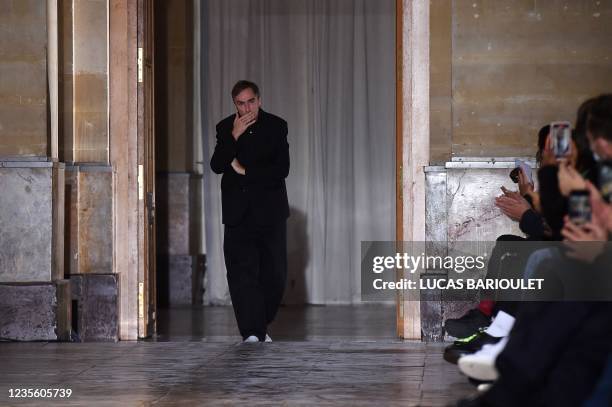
[
  {"x": 601, "y": 147},
  {"x": 247, "y": 102}
]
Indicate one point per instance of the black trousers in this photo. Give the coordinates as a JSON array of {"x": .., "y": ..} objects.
[
  {"x": 555, "y": 355},
  {"x": 506, "y": 255},
  {"x": 256, "y": 263}
]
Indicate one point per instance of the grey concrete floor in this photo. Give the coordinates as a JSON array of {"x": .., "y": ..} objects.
[{"x": 329, "y": 356}]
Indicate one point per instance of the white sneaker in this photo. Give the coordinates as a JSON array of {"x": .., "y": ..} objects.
[
  {"x": 502, "y": 325},
  {"x": 481, "y": 365},
  {"x": 268, "y": 339},
  {"x": 484, "y": 387},
  {"x": 251, "y": 339}
]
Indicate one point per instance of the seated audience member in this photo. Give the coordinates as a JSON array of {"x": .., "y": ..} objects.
[
  {"x": 556, "y": 351},
  {"x": 520, "y": 207},
  {"x": 523, "y": 206}
]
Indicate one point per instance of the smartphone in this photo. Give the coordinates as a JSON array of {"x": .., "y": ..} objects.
[
  {"x": 514, "y": 175},
  {"x": 604, "y": 180},
  {"x": 579, "y": 207},
  {"x": 561, "y": 136},
  {"x": 521, "y": 165}
]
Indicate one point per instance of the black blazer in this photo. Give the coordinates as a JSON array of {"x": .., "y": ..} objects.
[{"x": 263, "y": 151}]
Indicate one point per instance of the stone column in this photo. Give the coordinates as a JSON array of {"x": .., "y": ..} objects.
[{"x": 414, "y": 37}]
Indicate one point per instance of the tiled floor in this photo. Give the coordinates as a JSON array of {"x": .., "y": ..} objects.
[{"x": 320, "y": 356}]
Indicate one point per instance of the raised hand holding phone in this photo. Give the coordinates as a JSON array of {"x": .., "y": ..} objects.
[
  {"x": 570, "y": 180},
  {"x": 525, "y": 182}
]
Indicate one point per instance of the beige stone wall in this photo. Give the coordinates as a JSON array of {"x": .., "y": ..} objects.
[
  {"x": 440, "y": 90},
  {"x": 515, "y": 66},
  {"x": 23, "y": 78},
  {"x": 174, "y": 85},
  {"x": 66, "y": 82},
  {"x": 90, "y": 70}
]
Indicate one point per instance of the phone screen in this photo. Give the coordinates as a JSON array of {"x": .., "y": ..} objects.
[
  {"x": 561, "y": 135},
  {"x": 579, "y": 207}
]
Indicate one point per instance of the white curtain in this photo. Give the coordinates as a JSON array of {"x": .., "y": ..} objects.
[{"x": 328, "y": 68}]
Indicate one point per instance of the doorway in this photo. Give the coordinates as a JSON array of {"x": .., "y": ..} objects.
[{"x": 323, "y": 198}]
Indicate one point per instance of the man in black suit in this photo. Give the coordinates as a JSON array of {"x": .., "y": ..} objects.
[{"x": 252, "y": 153}]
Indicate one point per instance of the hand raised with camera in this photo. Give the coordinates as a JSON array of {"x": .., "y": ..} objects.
[
  {"x": 569, "y": 179},
  {"x": 592, "y": 231},
  {"x": 585, "y": 242},
  {"x": 601, "y": 209},
  {"x": 241, "y": 123},
  {"x": 548, "y": 154}
]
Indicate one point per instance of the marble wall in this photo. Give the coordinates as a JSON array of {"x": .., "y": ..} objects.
[
  {"x": 31, "y": 221},
  {"x": 461, "y": 213}
]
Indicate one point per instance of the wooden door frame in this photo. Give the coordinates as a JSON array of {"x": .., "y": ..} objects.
[
  {"x": 126, "y": 155},
  {"x": 412, "y": 147},
  {"x": 123, "y": 112},
  {"x": 146, "y": 170},
  {"x": 412, "y": 142}
]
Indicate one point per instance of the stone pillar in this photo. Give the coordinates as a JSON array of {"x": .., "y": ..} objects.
[
  {"x": 89, "y": 252},
  {"x": 95, "y": 298},
  {"x": 31, "y": 222},
  {"x": 36, "y": 312},
  {"x": 34, "y": 297},
  {"x": 179, "y": 267},
  {"x": 414, "y": 126}
]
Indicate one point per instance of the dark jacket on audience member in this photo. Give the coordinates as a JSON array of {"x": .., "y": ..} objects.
[
  {"x": 554, "y": 205},
  {"x": 532, "y": 224}
]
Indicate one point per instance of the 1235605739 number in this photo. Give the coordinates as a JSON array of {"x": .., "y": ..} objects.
[{"x": 29, "y": 393}]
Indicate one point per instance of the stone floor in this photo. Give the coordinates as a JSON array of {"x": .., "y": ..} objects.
[{"x": 330, "y": 356}]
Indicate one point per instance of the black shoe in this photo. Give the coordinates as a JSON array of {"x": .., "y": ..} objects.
[
  {"x": 468, "y": 345},
  {"x": 467, "y": 324}
]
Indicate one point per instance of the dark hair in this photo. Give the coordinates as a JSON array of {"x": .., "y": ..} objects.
[
  {"x": 242, "y": 85},
  {"x": 599, "y": 123},
  {"x": 542, "y": 135},
  {"x": 582, "y": 117},
  {"x": 585, "y": 161}
]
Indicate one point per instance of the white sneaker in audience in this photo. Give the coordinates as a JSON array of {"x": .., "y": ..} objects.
[
  {"x": 268, "y": 339},
  {"x": 484, "y": 387},
  {"x": 501, "y": 325},
  {"x": 481, "y": 365},
  {"x": 251, "y": 339}
]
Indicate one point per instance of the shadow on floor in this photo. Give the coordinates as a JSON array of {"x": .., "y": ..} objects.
[{"x": 293, "y": 323}]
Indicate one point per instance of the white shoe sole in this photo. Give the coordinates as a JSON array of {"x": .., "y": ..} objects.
[
  {"x": 478, "y": 369},
  {"x": 484, "y": 387}
]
